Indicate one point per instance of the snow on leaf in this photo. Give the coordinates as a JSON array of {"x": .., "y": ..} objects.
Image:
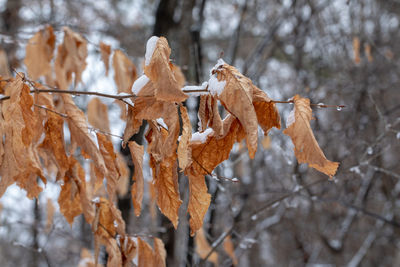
[
  {"x": 137, "y": 152},
  {"x": 306, "y": 147},
  {"x": 125, "y": 72},
  {"x": 105, "y": 51},
  {"x": 71, "y": 58},
  {"x": 162, "y": 76},
  {"x": 39, "y": 52}
]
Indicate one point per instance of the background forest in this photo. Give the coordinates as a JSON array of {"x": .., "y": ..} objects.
[{"x": 342, "y": 52}]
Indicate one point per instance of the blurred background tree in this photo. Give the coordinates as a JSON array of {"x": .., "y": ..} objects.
[{"x": 335, "y": 52}]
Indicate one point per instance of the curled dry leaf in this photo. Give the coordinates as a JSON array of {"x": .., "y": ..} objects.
[
  {"x": 97, "y": 113},
  {"x": 123, "y": 182},
  {"x": 306, "y": 148},
  {"x": 71, "y": 58},
  {"x": 105, "y": 51},
  {"x": 108, "y": 220},
  {"x": 39, "y": 53},
  {"x": 80, "y": 133},
  {"x": 125, "y": 72},
  {"x": 147, "y": 257},
  {"x": 184, "y": 152},
  {"x": 159, "y": 253},
  {"x": 203, "y": 247},
  {"x": 245, "y": 101},
  {"x": 21, "y": 162},
  {"x": 137, "y": 152},
  {"x": 163, "y": 76}
]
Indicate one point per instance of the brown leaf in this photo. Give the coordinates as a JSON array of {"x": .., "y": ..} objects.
[
  {"x": 20, "y": 163},
  {"x": 306, "y": 147},
  {"x": 109, "y": 221},
  {"x": 97, "y": 113},
  {"x": 237, "y": 98},
  {"x": 159, "y": 253},
  {"x": 50, "y": 214},
  {"x": 184, "y": 152},
  {"x": 123, "y": 182},
  {"x": 128, "y": 249},
  {"x": 203, "y": 247},
  {"x": 71, "y": 58},
  {"x": 204, "y": 112},
  {"x": 105, "y": 51},
  {"x": 137, "y": 152},
  {"x": 230, "y": 250},
  {"x": 125, "y": 72},
  {"x": 53, "y": 143},
  {"x": 199, "y": 201},
  {"x": 178, "y": 74},
  {"x": 356, "y": 50},
  {"x": 145, "y": 254},
  {"x": 266, "y": 111},
  {"x": 110, "y": 159},
  {"x": 80, "y": 133},
  {"x": 39, "y": 53},
  {"x": 87, "y": 259},
  {"x": 163, "y": 77}
]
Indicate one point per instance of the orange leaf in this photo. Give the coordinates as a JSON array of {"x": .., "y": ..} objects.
[
  {"x": 97, "y": 113},
  {"x": 50, "y": 214},
  {"x": 71, "y": 58},
  {"x": 184, "y": 152},
  {"x": 137, "y": 152},
  {"x": 199, "y": 201},
  {"x": 306, "y": 147},
  {"x": 105, "y": 51},
  {"x": 39, "y": 52},
  {"x": 160, "y": 73},
  {"x": 203, "y": 247},
  {"x": 230, "y": 250},
  {"x": 125, "y": 72},
  {"x": 145, "y": 254},
  {"x": 159, "y": 253},
  {"x": 80, "y": 132}
]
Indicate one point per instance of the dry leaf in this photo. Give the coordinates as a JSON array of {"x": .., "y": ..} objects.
[
  {"x": 162, "y": 76},
  {"x": 230, "y": 250},
  {"x": 53, "y": 143},
  {"x": 80, "y": 133},
  {"x": 203, "y": 247},
  {"x": 20, "y": 163},
  {"x": 97, "y": 113},
  {"x": 39, "y": 53},
  {"x": 145, "y": 254},
  {"x": 123, "y": 182},
  {"x": 356, "y": 50},
  {"x": 50, "y": 214},
  {"x": 159, "y": 253},
  {"x": 245, "y": 101},
  {"x": 105, "y": 51},
  {"x": 199, "y": 201},
  {"x": 184, "y": 152},
  {"x": 137, "y": 152},
  {"x": 306, "y": 147},
  {"x": 110, "y": 159},
  {"x": 125, "y": 72},
  {"x": 87, "y": 259},
  {"x": 368, "y": 53},
  {"x": 71, "y": 58}
]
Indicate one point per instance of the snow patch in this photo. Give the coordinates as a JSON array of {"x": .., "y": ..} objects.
[
  {"x": 127, "y": 99},
  {"x": 202, "y": 137},
  {"x": 162, "y": 123},
  {"x": 219, "y": 64},
  {"x": 150, "y": 47},
  {"x": 139, "y": 84},
  {"x": 191, "y": 89},
  {"x": 291, "y": 118},
  {"x": 214, "y": 86}
]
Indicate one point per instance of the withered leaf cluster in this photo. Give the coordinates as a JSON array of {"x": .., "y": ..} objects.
[{"x": 32, "y": 140}]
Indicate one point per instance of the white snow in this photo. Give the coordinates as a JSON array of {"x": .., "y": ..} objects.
[
  {"x": 139, "y": 84},
  {"x": 187, "y": 89},
  {"x": 214, "y": 86},
  {"x": 291, "y": 118},
  {"x": 127, "y": 99},
  {"x": 96, "y": 200},
  {"x": 219, "y": 64},
  {"x": 151, "y": 45},
  {"x": 202, "y": 137},
  {"x": 162, "y": 123}
]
